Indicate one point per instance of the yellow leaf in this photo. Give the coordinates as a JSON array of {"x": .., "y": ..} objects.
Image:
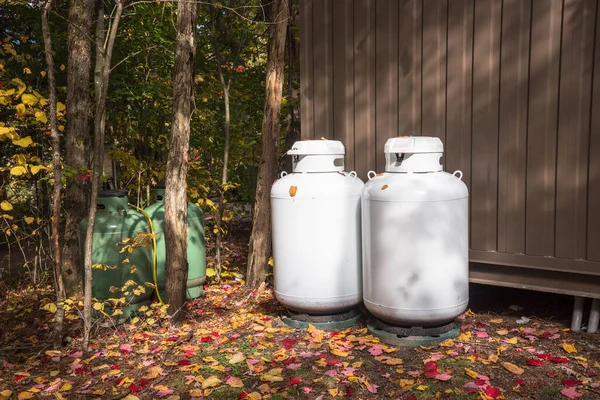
[
  {"x": 153, "y": 372},
  {"x": 502, "y": 332},
  {"x": 98, "y": 306},
  {"x": 60, "y": 107},
  {"x": 18, "y": 170},
  {"x": 29, "y": 220},
  {"x": 569, "y": 348},
  {"x": 20, "y": 108},
  {"x": 27, "y": 71},
  {"x": 464, "y": 337},
  {"x": 131, "y": 397},
  {"x": 513, "y": 368},
  {"x": 62, "y": 67},
  {"x": 447, "y": 343},
  {"x": 422, "y": 387},
  {"x": 512, "y": 340},
  {"x": 493, "y": 358},
  {"x": 50, "y": 307},
  {"x": 29, "y": 99},
  {"x": 25, "y": 395},
  {"x": 6, "y": 393},
  {"x": 66, "y": 387},
  {"x": 293, "y": 190},
  {"x": 270, "y": 378},
  {"x": 334, "y": 392},
  {"x": 43, "y": 74},
  {"x": 41, "y": 117},
  {"x": 25, "y": 142},
  {"x": 471, "y": 373},
  {"x": 237, "y": 358},
  {"x": 211, "y": 382},
  {"x": 339, "y": 353},
  {"x": 496, "y": 321},
  {"x": 36, "y": 168},
  {"x": 271, "y": 262},
  {"x": 6, "y": 206},
  {"x": 210, "y": 272},
  {"x": 196, "y": 393}
]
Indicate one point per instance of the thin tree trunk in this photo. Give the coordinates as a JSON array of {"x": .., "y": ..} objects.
[
  {"x": 81, "y": 13},
  {"x": 177, "y": 163},
  {"x": 260, "y": 242},
  {"x": 219, "y": 238},
  {"x": 292, "y": 133},
  {"x": 101, "y": 77},
  {"x": 56, "y": 174}
]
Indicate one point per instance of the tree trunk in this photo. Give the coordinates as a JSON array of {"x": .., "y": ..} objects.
[
  {"x": 292, "y": 133},
  {"x": 177, "y": 163},
  {"x": 104, "y": 48},
  {"x": 78, "y": 136},
  {"x": 260, "y": 242},
  {"x": 219, "y": 238},
  {"x": 56, "y": 175}
]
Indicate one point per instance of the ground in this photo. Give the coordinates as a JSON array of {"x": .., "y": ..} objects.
[{"x": 233, "y": 344}]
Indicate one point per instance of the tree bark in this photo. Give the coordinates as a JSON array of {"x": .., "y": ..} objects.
[
  {"x": 292, "y": 133},
  {"x": 260, "y": 242},
  {"x": 81, "y": 13},
  {"x": 56, "y": 175},
  {"x": 177, "y": 163},
  {"x": 104, "y": 49}
]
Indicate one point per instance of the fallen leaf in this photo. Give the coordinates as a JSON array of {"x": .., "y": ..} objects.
[
  {"x": 237, "y": 358},
  {"x": 153, "y": 372},
  {"x": 25, "y": 396},
  {"x": 513, "y": 368},
  {"x": 235, "y": 382},
  {"x": 333, "y": 392},
  {"x": 211, "y": 382},
  {"x": 443, "y": 377},
  {"x": 471, "y": 373},
  {"x": 293, "y": 190},
  {"x": 571, "y": 392},
  {"x": 569, "y": 348},
  {"x": 371, "y": 387}
]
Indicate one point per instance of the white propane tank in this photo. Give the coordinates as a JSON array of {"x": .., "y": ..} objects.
[
  {"x": 316, "y": 231},
  {"x": 415, "y": 237}
]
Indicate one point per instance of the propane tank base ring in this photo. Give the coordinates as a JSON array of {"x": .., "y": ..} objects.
[
  {"x": 415, "y": 330},
  {"x": 324, "y": 322},
  {"x": 413, "y": 340}
]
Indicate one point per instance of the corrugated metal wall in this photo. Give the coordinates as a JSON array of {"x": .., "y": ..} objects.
[{"x": 512, "y": 87}]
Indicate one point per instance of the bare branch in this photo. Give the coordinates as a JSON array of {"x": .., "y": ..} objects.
[{"x": 133, "y": 55}]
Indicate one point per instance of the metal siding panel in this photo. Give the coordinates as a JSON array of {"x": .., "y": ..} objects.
[
  {"x": 323, "y": 69},
  {"x": 306, "y": 70},
  {"x": 433, "y": 113},
  {"x": 542, "y": 127},
  {"x": 512, "y": 160},
  {"x": 593, "y": 205},
  {"x": 343, "y": 78},
  {"x": 364, "y": 86},
  {"x": 409, "y": 68},
  {"x": 459, "y": 89},
  {"x": 386, "y": 80},
  {"x": 573, "y": 128},
  {"x": 484, "y": 168}
]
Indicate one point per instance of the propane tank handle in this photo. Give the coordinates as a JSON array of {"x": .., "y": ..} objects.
[
  {"x": 459, "y": 172},
  {"x": 283, "y": 173},
  {"x": 371, "y": 174},
  {"x": 352, "y": 174}
]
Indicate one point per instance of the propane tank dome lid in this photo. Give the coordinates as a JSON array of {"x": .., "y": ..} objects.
[
  {"x": 317, "y": 147},
  {"x": 414, "y": 144},
  {"x": 113, "y": 193}
]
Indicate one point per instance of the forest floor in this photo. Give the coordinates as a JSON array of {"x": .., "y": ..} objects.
[{"x": 234, "y": 345}]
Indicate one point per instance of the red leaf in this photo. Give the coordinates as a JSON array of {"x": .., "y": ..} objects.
[
  {"x": 205, "y": 339},
  {"x": 570, "y": 382},
  {"x": 288, "y": 343},
  {"x": 183, "y": 362},
  {"x": 535, "y": 363},
  {"x": 571, "y": 393},
  {"x": 295, "y": 381},
  {"x": 519, "y": 382},
  {"x": 411, "y": 397},
  {"x": 546, "y": 357},
  {"x": 349, "y": 391},
  {"x": 493, "y": 391},
  {"x": 243, "y": 395},
  {"x": 560, "y": 360},
  {"x": 332, "y": 361},
  {"x": 135, "y": 388}
]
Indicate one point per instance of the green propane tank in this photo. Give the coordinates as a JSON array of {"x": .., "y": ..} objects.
[
  {"x": 115, "y": 223},
  {"x": 195, "y": 250}
]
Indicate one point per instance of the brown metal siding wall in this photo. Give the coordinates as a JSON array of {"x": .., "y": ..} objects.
[{"x": 512, "y": 87}]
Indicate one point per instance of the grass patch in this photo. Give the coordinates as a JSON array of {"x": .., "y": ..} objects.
[
  {"x": 226, "y": 393},
  {"x": 550, "y": 393},
  {"x": 454, "y": 363}
]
